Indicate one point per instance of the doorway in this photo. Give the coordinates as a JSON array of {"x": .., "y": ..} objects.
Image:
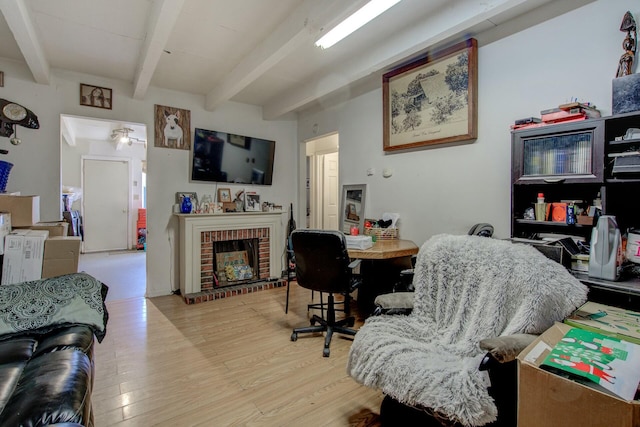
[
  {"x": 103, "y": 165},
  {"x": 323, "y": 201}
]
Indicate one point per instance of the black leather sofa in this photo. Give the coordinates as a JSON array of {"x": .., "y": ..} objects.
[
  {"x": 47, "y": 371},
  {"x": 47, "y": 379}
]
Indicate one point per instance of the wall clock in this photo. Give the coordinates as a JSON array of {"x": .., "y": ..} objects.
[{"x": 13, "y": 111}]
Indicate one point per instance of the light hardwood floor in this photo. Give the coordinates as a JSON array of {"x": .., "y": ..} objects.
[{"x": 227, "y": 362}]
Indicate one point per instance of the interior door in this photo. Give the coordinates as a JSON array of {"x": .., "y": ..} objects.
[
  {"x": 331, "y": 201},
  {"x": 105, "y": 204}
]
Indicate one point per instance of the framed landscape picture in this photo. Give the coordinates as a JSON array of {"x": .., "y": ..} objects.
[{"x": 432, "y": 100}]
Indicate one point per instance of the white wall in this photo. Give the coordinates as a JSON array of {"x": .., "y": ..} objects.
[
  {"x": 37, "y": 160},
  {"x": 450, "y": 188}
]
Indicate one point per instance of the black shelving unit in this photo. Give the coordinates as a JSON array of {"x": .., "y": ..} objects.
[{"x": 576, "y": 173}]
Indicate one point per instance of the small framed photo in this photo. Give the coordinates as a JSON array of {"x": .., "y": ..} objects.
[
  {"x": 95, "y": 96},
  {"x": 224, "y": 195},
  {"x": 252, "y": 202}
]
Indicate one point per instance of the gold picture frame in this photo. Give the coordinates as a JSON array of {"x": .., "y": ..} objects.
[
  {"x": 224, "y": 195},
  {"x": 96, "y": 96},
  {"x": 432, "y": 100}
]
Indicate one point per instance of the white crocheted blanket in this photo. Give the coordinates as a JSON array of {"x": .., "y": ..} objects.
[{"x": 467, "y": 288}]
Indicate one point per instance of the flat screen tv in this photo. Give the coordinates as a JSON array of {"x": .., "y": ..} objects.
[{"x": 225, "y": 157}]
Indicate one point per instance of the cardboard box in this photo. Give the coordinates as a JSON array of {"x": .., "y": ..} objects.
[
  {"x": 25, "y": 210},
  {"x": 607, "y": 320},
  {"x": 5, "y": 228},
  {"x": 23, "y": 256},
  {"x": 55, "y": 228},
  {"x": 61, "y": 255},
  {"x": 546, "y": 399}
]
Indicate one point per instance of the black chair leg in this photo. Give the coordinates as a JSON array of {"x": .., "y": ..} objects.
[
  {"x": 328, "y": 325},
  {"x": 286, "y": 307}
]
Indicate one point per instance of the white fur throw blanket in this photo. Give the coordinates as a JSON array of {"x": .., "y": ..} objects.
[{"x": 466, "y": 288}]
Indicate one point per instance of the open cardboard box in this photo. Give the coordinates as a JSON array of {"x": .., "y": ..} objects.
[{"x": 546, "y": 399}]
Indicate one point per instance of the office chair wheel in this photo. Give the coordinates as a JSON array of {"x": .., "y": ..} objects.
[
  {"x": 294, "y": 336},
  {"x": 325, "y": 352}
]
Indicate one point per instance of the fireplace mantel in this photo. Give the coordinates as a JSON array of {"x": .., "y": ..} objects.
[{"x": 192, "y": 225}]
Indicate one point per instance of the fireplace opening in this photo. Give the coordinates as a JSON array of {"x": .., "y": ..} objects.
[{"x": 236, "y": 261}]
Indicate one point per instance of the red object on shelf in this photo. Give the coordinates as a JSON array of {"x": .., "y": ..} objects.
[{"x": 563, "y": 116}]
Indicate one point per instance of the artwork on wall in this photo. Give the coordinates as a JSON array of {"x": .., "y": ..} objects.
[
  {"x": 432, "y": 100},
  {"x": 95, "y": 96},
  {"x": 172, "y": 127}
]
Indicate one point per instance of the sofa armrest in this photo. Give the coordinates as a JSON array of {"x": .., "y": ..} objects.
[{"x": 506, "y": 348}]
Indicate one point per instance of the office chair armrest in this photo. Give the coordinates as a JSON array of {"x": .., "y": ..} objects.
[
  {"x": 394, "y": 303},
  {"x": 506, "y": 348}
]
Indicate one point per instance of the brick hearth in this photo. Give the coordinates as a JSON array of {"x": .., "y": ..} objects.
[{"x": 230, "y": 291}]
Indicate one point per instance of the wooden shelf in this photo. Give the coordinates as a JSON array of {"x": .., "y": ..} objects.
[{"x": 551, "y": 223}]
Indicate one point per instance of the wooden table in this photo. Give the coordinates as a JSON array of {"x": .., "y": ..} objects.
[
  {"x": 381, "y": 267},
  {"x": 386, "y": 249}
]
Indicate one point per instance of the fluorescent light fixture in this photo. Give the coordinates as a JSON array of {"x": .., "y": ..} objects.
[{"x": 363, "y": 15}]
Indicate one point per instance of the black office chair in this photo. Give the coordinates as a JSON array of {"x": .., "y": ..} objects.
[{"x": 323, "y": 264}]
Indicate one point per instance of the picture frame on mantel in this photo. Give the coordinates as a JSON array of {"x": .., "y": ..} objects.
[
  {"x": 224, "y": 195},
  {"x": 432, "y": 100}
]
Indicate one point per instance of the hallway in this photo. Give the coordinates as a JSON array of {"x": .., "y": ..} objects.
[{"x": 124, "y": 272}]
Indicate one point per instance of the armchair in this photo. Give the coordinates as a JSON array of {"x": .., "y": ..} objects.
[{"x": 467, "y": 289}]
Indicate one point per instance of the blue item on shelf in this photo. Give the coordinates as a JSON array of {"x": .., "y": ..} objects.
[
  {"x": 186, "y": 205},
  {"x": 5, "y": 169}
]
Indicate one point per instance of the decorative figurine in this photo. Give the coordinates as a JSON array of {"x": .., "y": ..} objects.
[{"x": 625, "y": 65}]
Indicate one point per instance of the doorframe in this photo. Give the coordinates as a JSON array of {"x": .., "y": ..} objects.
[
  {"x": 315, "y": 155},
  {"x": 126, "y": 160}
]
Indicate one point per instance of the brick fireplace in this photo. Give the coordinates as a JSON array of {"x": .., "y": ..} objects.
[
  {"x": 200, "y": 235},
  {"x": 252, "y": 240}
]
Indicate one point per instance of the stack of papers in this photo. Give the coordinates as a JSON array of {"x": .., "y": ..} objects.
[{"x": 359, "y": 242}]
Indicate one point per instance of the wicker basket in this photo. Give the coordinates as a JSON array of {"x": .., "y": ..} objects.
[{"x": 382, "y": 233}]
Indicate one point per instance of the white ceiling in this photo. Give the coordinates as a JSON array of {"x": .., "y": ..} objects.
[{"x": 259, "y": 52}]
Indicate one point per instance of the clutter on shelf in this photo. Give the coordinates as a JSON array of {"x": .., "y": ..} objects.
[{"x": 567, "y": 112}]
